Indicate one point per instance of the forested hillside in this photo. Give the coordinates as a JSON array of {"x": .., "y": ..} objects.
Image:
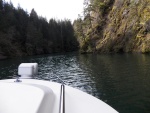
[
  {"x": 114, "y": 26},
  {"x": 29, "y": 34}
]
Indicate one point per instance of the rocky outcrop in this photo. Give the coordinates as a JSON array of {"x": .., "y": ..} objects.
[
  {"x": 128, "y": 27},
  {"x": 123, "y": 27}
]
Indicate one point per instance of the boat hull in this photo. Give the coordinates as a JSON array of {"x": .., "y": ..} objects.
[{"x": 44, "y": 97}]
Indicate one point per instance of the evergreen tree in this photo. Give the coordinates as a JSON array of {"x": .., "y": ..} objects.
[{"x": 28, "y": 34}]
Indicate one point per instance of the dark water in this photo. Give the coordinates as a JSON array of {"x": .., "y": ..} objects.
[{"x": 121, "y": 80}]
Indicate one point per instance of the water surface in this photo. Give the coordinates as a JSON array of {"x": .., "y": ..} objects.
[{"x": 121, "y": 80}]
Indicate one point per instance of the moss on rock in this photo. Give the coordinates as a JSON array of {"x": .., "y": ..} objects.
[{"x": 124, "y": 26}]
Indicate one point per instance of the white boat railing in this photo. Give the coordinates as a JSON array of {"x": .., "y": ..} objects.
[{"x": 62, "y": 99}]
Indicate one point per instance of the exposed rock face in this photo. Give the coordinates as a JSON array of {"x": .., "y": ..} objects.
[
  {"x": 125, "y": 27},
  {"x": 128, "y": 27}
]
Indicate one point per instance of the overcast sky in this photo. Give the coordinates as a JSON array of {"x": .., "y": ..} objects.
[{"x": 58, "y": 9}]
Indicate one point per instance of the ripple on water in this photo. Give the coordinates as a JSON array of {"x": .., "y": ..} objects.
[{"x": 121, "y": 80}]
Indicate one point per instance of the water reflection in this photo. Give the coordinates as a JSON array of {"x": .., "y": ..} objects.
[
  {"x": 122, "y": 77},
  {"x": 121, "y": 80}
]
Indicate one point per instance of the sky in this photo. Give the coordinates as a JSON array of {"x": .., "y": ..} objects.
[{"x": 58, "y": 9}]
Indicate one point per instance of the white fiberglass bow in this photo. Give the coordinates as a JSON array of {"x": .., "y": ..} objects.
[{"x": 38, "y": 96}]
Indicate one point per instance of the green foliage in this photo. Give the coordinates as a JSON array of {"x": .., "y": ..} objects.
[
  {"x": 90, "y": 29},
  {"x": 24, "y": 34},
  {"x": 116, "y": 26}
]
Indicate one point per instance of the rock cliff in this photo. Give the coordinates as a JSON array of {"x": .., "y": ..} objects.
[{"x": 116, "y": 26}]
